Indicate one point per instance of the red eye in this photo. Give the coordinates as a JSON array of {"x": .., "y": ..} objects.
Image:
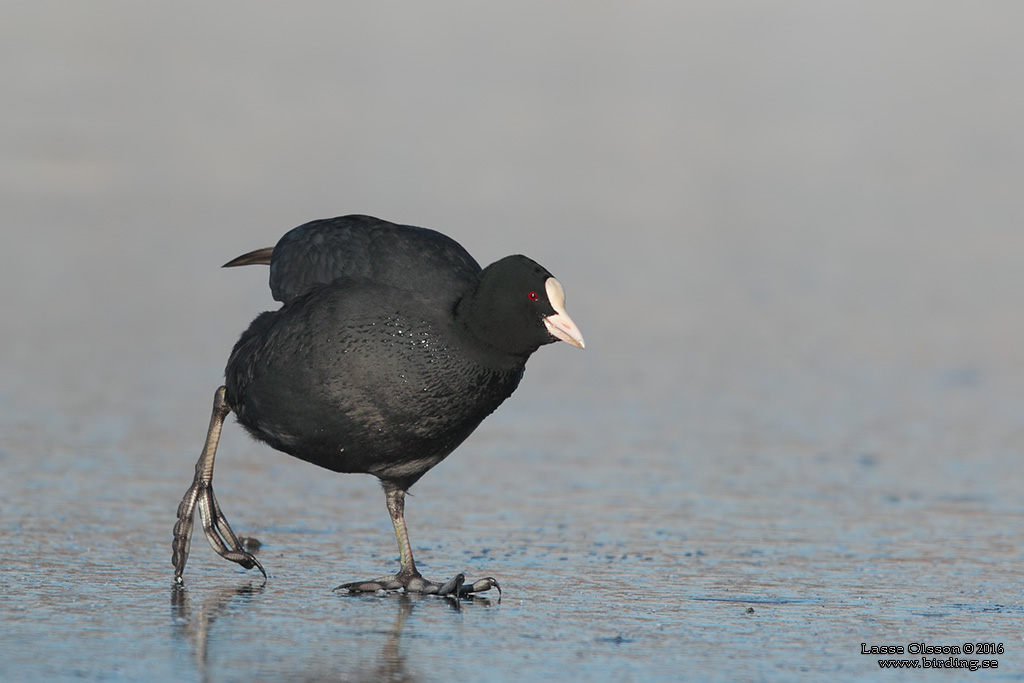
[{"x": 532, "y": 296}]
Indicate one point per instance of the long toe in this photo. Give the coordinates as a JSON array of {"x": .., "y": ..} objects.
[
  {"x": 452, "y": 586},
  {"x": 372, "y": 586},
  {"x": 480, "y": 586}
]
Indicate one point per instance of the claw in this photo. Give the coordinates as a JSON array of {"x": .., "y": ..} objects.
[{"x": 480, "y": 586}]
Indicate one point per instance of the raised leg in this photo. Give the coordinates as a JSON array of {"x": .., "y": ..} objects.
[
  {"x": 200, "y": 494},
  {"x": 408, "y": 578}
]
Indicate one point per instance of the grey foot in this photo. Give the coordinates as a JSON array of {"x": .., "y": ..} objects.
[
  {"x": 456, "y": 586},
  {"x": 215, "y": 526}
]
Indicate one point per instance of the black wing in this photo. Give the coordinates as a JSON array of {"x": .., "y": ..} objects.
[{"x": 402, "y": 256}]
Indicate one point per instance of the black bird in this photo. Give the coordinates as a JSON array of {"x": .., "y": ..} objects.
[{"x": 389, "y": 349}]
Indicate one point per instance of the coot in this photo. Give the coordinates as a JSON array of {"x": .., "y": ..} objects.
[{"x": 389, "y": 349}]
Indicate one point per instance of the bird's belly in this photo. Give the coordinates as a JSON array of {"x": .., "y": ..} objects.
[{"x": 384, "y": 397}]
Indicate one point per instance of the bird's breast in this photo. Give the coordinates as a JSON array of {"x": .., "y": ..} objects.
[{"x": 352, "y": 394}]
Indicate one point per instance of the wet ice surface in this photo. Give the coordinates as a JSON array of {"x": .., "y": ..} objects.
[
  {"x": 791, "y": 238},
  {"x": 610, "y": 571}
]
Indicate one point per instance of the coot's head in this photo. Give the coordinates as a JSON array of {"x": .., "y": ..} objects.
[{"x": 516, "y": 307}]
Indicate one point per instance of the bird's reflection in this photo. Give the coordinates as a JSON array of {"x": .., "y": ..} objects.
[
  {"x": 390, "y": 661},
  {"x": 194, "y": 624}
]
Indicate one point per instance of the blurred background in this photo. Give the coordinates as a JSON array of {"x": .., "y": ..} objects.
[{"x": 790, "y": 231}]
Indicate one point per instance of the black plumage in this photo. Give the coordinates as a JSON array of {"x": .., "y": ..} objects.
[{"x": 390, "y": 348}]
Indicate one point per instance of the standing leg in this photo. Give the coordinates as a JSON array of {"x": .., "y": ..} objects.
[
  {"x": 200, "y": 493},
  {"x": 395, "y": 498},
  {"x": 408, "y": 578}
]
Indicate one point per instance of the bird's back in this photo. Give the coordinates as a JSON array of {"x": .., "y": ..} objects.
[{"x": 437, "y": 268}]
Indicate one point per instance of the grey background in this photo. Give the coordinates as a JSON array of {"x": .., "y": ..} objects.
[{"x": 790, "y": 232}]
